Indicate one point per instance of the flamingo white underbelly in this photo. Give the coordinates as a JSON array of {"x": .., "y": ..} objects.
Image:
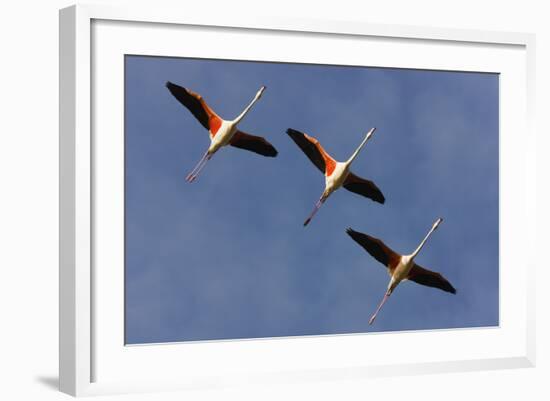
[
  {"x": 223, "y": 136},
  {"x": 337, "y": 178}
]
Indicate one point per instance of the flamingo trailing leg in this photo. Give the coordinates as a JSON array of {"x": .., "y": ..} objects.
[{"x": 222, "y": 132}]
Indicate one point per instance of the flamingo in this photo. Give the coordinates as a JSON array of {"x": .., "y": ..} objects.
[
  {"x": 401, "y": 267},
  {"x": 222, "y": 132},
  {"x": 337, "y": 174}
]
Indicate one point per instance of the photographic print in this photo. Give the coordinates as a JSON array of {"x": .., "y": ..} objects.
[{"x": 268, "y": 199}]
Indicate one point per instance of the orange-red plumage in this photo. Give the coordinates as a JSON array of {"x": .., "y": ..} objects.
[{"x": 330, "y": 163}]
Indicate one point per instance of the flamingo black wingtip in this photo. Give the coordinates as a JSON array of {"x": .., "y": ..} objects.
[{"x": 291, "y": 131}]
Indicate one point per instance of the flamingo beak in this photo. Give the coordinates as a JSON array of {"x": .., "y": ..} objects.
[
  {"x": 369, "y": 134},
  {"x": 261, "y": 91}
]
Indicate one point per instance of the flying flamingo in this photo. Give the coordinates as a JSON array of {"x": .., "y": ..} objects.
[
  {"x": 401, "y": 267},
  {"x": 222, "y": 132},
  {"x": 337, "y": 174}
]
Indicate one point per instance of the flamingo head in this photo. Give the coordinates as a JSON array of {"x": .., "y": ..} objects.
[{"x": 260, "y": 92}]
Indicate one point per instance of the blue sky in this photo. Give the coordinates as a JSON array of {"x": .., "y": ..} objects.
[{"x": 227, "y": 257}]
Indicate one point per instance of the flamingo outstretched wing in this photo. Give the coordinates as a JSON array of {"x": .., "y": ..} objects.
[
  {"x": 429, "y": 278},
  {"x": 376, "y": 248},
  {"x": 196, "y": 105},
  {"x": 363, "y": 187},
  {"x": 313, "y": 150},
  {"x": 254, "y": 143}
]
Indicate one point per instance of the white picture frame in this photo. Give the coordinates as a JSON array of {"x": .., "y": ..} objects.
[{"x": 82, "y": 344}]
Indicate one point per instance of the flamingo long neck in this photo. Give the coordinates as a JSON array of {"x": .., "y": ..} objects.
[
  {"x": 413, "y": 255},
  {"x": 354, "y": 155},
  {"x": 246, "y": 110}
]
